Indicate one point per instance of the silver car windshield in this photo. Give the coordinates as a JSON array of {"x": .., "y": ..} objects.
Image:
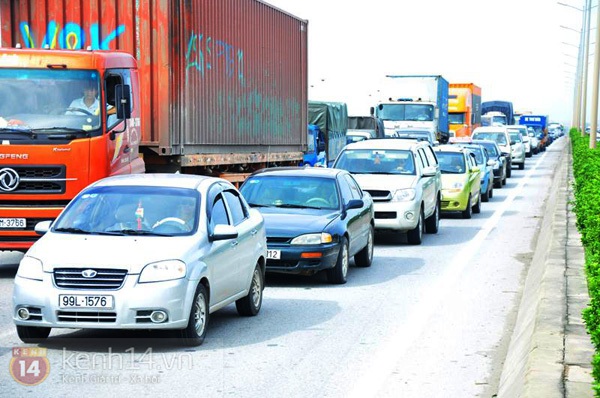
[{"x": 124, "y": 210}]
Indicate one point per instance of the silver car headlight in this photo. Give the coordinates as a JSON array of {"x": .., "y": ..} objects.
[
  {"x": 404, "y": 195},
  {"x": 30, "y": 268},
  {"x": 312, "y": 239},
  {"x": 163, "y": 271},
  {"x": 496, "y": 165}
]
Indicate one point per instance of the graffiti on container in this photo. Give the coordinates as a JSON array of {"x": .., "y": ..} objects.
[
  {"x": 72, "y": 36},
  {"x": 203, "y": 54}
]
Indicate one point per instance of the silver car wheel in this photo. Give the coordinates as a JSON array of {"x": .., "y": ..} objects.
[
  {"x": 200, "y": 314},
  {"x": 256, "y": 288}
]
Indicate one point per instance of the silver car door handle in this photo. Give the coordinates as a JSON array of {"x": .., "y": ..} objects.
[
  {"x": 254, "y": 232},
  {"x": 234, "y": 243}
]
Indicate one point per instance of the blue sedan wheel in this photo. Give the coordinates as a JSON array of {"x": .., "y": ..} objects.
[
  {"x": 337, "y": 275},
  {"x": 364, "y": 258}
]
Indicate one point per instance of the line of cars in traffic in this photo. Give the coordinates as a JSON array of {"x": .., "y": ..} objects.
[{"x": 164, "y": 251}]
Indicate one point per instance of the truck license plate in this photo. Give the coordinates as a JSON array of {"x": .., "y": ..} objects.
[
  {"x": 273, "y": 254},
  {"x": 83, "y": 301},
  {"x": 12, "y": 223}
]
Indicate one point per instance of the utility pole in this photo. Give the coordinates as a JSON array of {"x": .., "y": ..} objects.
[{"x": 594, "y": 125}]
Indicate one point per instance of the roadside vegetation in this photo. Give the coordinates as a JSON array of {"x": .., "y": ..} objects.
[{"x": 586, "y": 170}]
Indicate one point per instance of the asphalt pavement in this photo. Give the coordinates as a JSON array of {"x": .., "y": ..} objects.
[{"x": 550, "y": 352}]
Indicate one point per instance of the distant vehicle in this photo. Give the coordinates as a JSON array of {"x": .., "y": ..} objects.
[
  {"x": 461, "y": 180},
  {"x": 486, "y": 166},
  {"x": 517, "y": 149},
  {"x": 316, "y": 219},
  {"x": 500, "y": 165},
  {"x": 540, "y": 125},
  {"x": 522, "y": 130},
  {"x": 145, "y": 251},
  {"x": 332, "y": 120},
  {"x": 498, "y": 134},
  {"x": 416, "y": 133},
  {"x": 464, "y": 108},
  {"x": 315, "y": 154},
  {"x": 404, "y": 180},
  {"x": 358, "y": 135},
  {"x": 414, "y": 101},
  {"x": 496, "y": 112}
]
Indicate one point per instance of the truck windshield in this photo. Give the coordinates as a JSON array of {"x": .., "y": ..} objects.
[
  {"x": 49, "y": 101},
  {"x": 456, "y": 118},
  {"x": 409, "y": 112}
]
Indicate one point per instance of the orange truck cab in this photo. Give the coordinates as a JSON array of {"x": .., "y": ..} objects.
[
  {"x": 464, "y": 108},
  {"x": 55, "y": 141}
]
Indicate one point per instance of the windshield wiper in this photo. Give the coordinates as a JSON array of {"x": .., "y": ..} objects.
[
  {"x": 132, "y": 232},
  {"x": 70, "y": 133},
  {"x": 291, "y": 206},
  {"x": 66, "y": 129},
  {"x": 72, "y": 230},
  {"x": 18, "y": 130},
  {"x": 257, "y": 205}
]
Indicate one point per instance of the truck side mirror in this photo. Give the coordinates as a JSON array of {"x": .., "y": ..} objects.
[
  {"x": 123, "y": 105},
  {"x": 123, "y": 101}
]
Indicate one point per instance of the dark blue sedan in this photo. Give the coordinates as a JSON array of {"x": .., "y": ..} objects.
[{"x": 315, "y": 218}]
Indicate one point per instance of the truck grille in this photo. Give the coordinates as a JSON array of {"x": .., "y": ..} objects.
[
  {"x": 40, "y": 179},
  {"x": 380, "y": 196},
  {"x": 104, "y": 279},
  {"x": 86, "y": 316}
]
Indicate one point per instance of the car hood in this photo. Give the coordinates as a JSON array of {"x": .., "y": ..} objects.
[
  {"x": 385, "y": 181},
  {"x": 295, "y": 222},
  {"x": 448, "y": 180},
  {"x": 94, "y": 251}
]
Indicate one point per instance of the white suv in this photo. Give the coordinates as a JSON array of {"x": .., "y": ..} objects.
[{"x": 404, "y": 180}]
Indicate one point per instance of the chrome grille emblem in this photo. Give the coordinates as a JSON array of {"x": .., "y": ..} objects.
[
  {"x": 9, "y": 179},
  {"x": 88, "y": 273}
]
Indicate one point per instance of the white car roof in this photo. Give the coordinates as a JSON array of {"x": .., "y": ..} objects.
[
  {"x": 387, "y": 143},
  {"x": 490, "y": 129}
]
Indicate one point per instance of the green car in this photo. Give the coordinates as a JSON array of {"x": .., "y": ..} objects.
[{"x": 461, "y": 180}]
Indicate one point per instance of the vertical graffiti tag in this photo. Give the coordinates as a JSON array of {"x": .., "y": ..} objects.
[
  {"x": 71, "y": 37},
  {"x": 207, "y": 54}
]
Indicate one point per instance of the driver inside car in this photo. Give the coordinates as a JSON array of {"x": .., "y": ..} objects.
[{"x": 88, "y": 104}]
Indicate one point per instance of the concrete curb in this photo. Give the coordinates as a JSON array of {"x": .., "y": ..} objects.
[{"x": 550, "y": 354}]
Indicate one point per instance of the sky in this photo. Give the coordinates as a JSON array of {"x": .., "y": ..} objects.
[{"x": 515, "y": 50}]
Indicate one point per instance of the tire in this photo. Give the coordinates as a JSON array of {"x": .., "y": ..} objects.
[
  {"x": 250, "y": 304},
  {"x": 33, "y": 334},
  {"x": 364, "y": 258},
  {"x": 415, "y": 235},
  {"x": 194, "y": 333},
  {"x": 477, "y": 207},
  {"x": 338, "y": 274},
  {"x": 432, "y": 223},
  {"x": 498, "y": 184},
  {"x": 521, "y": 166},
  {"x": 491, "y": 195},
  {"x": 468, "y": 212},
  {"x": 486, "y": 196},
  {"x": 509, "y": 170}
]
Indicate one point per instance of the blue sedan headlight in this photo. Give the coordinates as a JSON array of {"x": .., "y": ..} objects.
[{"x": 312, "y": 239}]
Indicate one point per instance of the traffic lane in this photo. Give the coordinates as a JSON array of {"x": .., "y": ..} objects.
[
  {"x": 463, "y": 341},
  {"x": 318, "y": 338}
]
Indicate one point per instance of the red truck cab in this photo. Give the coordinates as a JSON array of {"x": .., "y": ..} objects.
[{"x": 51, "y": 149}]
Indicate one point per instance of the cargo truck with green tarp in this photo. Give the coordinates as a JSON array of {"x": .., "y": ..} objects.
[{"x": 332, "y": 120}]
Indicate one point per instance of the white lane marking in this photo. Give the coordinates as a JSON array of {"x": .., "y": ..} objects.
[{"x": 384, "y": 361}]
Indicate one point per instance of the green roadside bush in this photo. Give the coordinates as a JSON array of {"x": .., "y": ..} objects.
[{"x": 586, "y": 171}]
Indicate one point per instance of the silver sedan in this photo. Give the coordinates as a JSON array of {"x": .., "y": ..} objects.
[{"x": 150, "y": 251}]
